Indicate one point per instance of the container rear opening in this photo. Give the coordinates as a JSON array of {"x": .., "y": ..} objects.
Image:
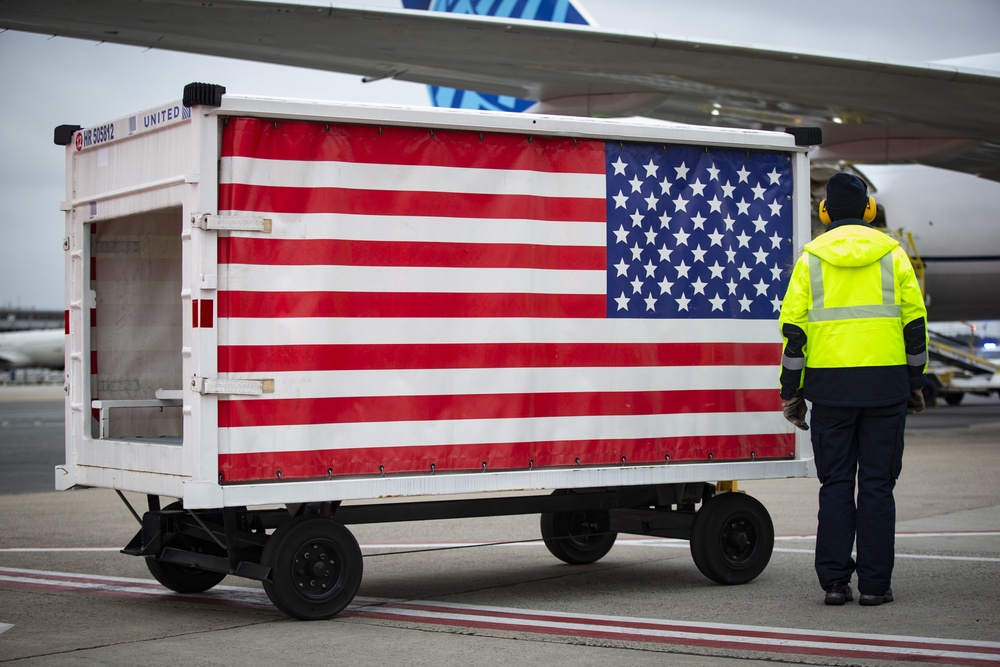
[{"x": 136, "y": 327}]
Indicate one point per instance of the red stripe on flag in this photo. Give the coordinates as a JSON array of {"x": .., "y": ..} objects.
[
  {"x": 500, "y": 456},
  {"x": 356, "y": 409},
  {"x": 284, "y": 358},
  {"x": 408, "y": 304},
  {"x": 318, "y": 252},
  {"x": 276, "y": 199},
  {"x": 312, "y": 141}
]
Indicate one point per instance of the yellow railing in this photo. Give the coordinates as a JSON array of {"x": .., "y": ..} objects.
[{"x": 905, "y": 239}]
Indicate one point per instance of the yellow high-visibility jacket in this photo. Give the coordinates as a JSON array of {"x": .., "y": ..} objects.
[{"x": 853, "y": 321}]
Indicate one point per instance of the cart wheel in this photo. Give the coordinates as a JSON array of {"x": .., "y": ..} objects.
[
  {"x": 181, "y": 578},
  {"x": 732, "y": 538},
  {"x": 316, "y": 568},
  {"x": 578, "y": 537},
  {"x": 954, "y": 397}
]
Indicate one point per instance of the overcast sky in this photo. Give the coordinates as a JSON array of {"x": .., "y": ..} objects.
[{"x": 46, "y": 82}]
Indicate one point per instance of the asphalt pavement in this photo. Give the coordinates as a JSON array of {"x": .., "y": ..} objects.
[{"x": 433, "y": 594}]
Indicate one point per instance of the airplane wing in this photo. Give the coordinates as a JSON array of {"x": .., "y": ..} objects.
[{"x": 871, "y": 110}]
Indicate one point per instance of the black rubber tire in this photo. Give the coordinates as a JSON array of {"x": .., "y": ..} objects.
[
  {"x": 954, "y": 397},
  {"x": 732, "y": 538},
  {"x": 180, "y": 578},
  {"x": 577, "y": 537},
  {"x": 316, "y": 567}
]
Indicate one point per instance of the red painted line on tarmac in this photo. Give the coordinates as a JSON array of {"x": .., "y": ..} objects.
[{"x": 640, "y": 630}]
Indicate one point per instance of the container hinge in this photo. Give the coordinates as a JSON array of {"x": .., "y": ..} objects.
[
  {"x": 237, "y": 387},
  {"x": 232, "y": 223}
]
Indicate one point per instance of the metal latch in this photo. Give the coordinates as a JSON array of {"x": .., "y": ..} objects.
[
  {"x": 237, "y": 387},
  {"x": 232, "y": 223}
]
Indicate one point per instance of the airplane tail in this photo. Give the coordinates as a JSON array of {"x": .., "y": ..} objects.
[{"x": 556, "y": 11}]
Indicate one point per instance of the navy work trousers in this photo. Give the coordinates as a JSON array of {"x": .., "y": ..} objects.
[{"x": 867, "y": 444}]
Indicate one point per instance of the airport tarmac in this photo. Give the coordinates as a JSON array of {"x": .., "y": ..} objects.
[{"x": 430, "y": 597}]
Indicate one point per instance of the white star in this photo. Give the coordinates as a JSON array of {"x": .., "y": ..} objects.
[
  {"x": 682, "y": 237},
  {"x": 621, "y": 234},
  {"x": 744, "y": 272},
  {"x": 715, "y": 205},
  {"x": 619, "y": 166},
  {"x": 650, "y": 237},
  {"x": 744, "y": 207},
  {"x": 716, "y": 270},
  {"x": 730, "y": 256},
  {"x": 699, "y": 286},
  {"x": 716, "y": 238},
  {"x": 743, "y": 173},
  {"x": 730, "y": 221},
  {"x": 775, "y": 272},
  {"x": 636, "y": 252},
  {"x": 636, "y": 184},
  {"x": 620, "y": 199},
  {"x": 758, "y": 192},
  {"x": 622, "y": 302},
  {"x": 745, "y": 303},
  {"x": 680, "y": 204},
  {"x": 636, "y": 286},
  {"x": 622, "y": 268},
  {"x": 717, "y": 302},
  {"x": 699, "y": 254},
  {"x": 650, "y": 302},
  {"x": 665, "y": 221},
  {"x": 636, "y": 218},
  {"x": 727, "y": 190},
  {"x": 650, "y": 269},
  {"x": 699, "y": 221},
  {"x": 651, "y": 168},
  {"x": 775, "y": 208},
  {"x": 732, "y": 287},
  {"x": 774, "y": 176},
  {"x": 651, "y": 202},
  {"x": 682, "y": 302},
  {"x": 743, "y": 239},
  {"x": 775, "y": 241},
  {"x": 713, "y": 172},
  {"x": 665, "y": 286},
  {"x": 776, "y": 304},
  {"x": 665, "y": 253},
  {"x": 682, "y": 171},
  {"x": 698, "y": 188},
  {"x": 665, "y": 186},
  {"x": 682, "y": 269},
  {"x": 761, "y": 287},
  {"x": 761, "y": 256},
  {"x": 759, "y": 224}
]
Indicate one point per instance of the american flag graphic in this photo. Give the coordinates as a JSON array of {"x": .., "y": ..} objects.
[{"x": 447, "y": 300}]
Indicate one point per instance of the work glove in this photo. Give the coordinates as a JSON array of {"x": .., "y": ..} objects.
[
  {"x": 795, "y": 412},
  {"x": 915, "y": 403}
]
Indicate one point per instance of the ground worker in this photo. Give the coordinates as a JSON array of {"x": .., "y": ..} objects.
[{"x": 855, "y": 345}]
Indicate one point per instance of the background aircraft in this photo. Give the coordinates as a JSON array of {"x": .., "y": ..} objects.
[
  {"x": 940, "y": 121},
  {"x": 41, "y": 348}
]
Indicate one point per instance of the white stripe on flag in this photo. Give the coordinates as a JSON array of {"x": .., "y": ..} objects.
[
  {"x": 432, "y": 382},
  {"x": 494, "y": 431},
  {"x": 420, "y": 178},
  {"x": 429, "y": 331},
  {"x": 272, "y": 278}
]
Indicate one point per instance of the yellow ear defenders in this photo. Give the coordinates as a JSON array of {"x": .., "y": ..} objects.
[{"x": 867, "y": 216}]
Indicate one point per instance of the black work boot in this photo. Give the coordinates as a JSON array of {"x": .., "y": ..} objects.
[
  {"x": 875, "y": 600},
  {"x": 838, "y": 594}
]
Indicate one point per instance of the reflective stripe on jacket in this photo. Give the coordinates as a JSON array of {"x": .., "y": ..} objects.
[{"x": 853, "y": 320}]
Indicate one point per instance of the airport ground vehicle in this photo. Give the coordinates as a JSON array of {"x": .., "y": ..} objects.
[{"x": 281, "y": 311}]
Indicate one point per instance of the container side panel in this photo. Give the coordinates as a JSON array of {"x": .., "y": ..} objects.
[{"x": 450, "y": 300}]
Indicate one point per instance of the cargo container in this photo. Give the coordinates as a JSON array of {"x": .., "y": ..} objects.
[{"x": 285, "y": 317}]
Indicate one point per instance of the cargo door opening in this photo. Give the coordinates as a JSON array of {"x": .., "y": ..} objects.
[{"x": 136, "y": 327}]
